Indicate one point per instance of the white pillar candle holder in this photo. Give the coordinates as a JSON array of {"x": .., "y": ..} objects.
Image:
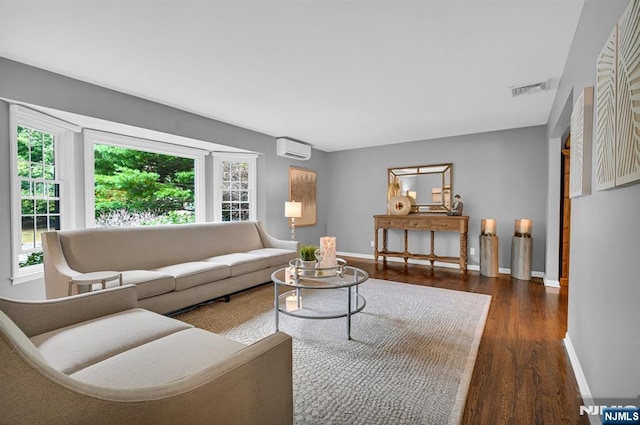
[
  {"x": 521, "y": 253},
  {"x": 488, "y": 227},
  {"x": 522, "y": 227},
  {"x": 521, "y": 249},
  {"x": 328, "y": 251},
  {"x": 293, "y": 303}
]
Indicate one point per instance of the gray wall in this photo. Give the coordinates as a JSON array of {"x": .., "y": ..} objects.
[
  {"x": 24, "y": 83},
  {"x": 501, "y": 175},
  {"x": 278, "y": 190},
  {"x": 604, "y": 276}
]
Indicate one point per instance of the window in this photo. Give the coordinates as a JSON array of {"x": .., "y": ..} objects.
[
  {"x": 37, "y": 146},
  {"x": 234, "y": 188},
  {"x": 135, "y": 187},
  {"x": 39, "y": 191},
  {"x": 137, "y": 182}
]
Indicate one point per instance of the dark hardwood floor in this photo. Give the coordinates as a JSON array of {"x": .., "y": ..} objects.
[{"x": 522, "y": 373}]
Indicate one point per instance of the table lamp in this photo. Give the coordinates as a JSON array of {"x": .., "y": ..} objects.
[{"x": 293, "y": 210}]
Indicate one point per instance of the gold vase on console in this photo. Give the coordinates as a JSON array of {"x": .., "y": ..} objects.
[{"x": 392, "y": 191}]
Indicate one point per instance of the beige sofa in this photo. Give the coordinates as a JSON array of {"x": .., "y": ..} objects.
[
  {"x": 97, "y": 358},
  {"x": 173, "y": 266}
]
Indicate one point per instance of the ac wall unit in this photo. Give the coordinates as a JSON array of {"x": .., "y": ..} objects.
[{"x": 290, "y": 148}]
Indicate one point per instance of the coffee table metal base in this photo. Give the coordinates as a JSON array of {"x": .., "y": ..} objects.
[
  {"x": 354, "y": 300},
  {"x": 321, "y": 282}
]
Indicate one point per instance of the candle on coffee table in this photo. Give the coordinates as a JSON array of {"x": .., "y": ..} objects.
[{"x": 292, "y": 303}]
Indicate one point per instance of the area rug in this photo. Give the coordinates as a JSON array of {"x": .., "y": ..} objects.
[{"x": 410, "y": 360}]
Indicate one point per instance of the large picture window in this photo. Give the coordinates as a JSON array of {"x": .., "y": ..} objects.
[
  {"x": 137, "y": 182},
  {"x": 134, "y": 187}
]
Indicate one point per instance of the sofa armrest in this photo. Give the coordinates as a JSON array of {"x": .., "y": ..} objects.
[
  {"x": 269, "y": 241},
  {"x": 57, "y": 272},
  {"x": 36, "y": 317},
  {"x": 253, "y": 386}
]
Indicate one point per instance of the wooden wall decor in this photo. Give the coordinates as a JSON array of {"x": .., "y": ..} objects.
[
  {"x": 628, "y": 102},
  {"x": 618, "y": 103},
  {"x": 606, "y": 114},
  {"x": 581, "y": 140},
  {"x": 302, "y": 188}
]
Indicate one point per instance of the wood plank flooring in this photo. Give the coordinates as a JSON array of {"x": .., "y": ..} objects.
[{"x": 522, "y": 373}]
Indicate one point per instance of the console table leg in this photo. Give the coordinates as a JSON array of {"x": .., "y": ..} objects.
[
  {"x": 463, "y": 253},
  {"x": 384, "y": 246},
  {"x": 406, "y": 248},
  {"x": 433, "y": 248},
  {"x": 375, "y": 246}
]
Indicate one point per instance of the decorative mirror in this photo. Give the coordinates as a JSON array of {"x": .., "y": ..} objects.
[{"x": 428, "y": 185}]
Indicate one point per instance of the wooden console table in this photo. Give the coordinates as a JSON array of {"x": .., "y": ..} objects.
[{"x": 432, "y": 223}]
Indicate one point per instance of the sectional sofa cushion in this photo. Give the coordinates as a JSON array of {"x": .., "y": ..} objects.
[
  {"x": 195, "y": 273},
  {"x": 276, "y": 256},
  {"x": 75, "y": 347},
  {"x": 149, "y": 282},
  {"x": 241, "y": 263},
  {"x": 174, "y": 357}
]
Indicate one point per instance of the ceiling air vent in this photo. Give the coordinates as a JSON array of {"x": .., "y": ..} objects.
[
  {"x": 290, "y": 148},
  {"x": 529, "y": 88}
]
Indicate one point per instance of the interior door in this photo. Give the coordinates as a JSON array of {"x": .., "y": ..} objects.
[{"x": 565, "y": 216}]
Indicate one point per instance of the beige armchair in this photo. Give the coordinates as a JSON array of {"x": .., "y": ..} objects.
[{"x": 252, "y": 385}]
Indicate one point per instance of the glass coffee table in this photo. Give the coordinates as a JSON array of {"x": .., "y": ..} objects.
[{"x": 318, "y": 293}]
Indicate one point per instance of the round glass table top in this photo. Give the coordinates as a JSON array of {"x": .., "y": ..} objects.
[{"x": 324, "y": 278}]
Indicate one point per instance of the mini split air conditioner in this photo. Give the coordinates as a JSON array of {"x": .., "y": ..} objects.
[
  {"x": 290, "y": 148},
  {"x": 530, "y": 88}
]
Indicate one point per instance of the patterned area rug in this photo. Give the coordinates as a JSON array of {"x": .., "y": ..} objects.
[{"x": 410, "y": 360}]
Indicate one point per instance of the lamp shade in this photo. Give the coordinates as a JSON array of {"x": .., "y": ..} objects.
[{"x": 293, "y": 209}]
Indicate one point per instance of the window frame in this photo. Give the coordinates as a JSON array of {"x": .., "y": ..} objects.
[
  {"x": 63, "y": 137},
  {"x": 251, "y": 159},
  {"x": 93, "y": 137}
]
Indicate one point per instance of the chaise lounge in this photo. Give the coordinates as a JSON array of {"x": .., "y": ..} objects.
[{"x": 98, "y": 358}]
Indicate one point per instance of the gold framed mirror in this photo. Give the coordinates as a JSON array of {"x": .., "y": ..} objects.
[{"x": 430, "y": 186}]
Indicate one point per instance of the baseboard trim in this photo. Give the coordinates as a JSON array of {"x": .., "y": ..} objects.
[
  {"x": 551, "y": 283},
  {"x": 474, "y": 267},
  {"x": 583, "y": 386}
]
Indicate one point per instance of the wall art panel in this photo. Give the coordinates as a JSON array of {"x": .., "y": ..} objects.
[
  {"x": 581, "y": 140},
  {"x": 605, "y": 104},
  {"x": 628, "y": 96},
  {"x": 302, "y": 188}
]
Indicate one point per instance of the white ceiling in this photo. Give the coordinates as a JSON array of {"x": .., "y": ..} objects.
[{"x": 338, "y": 74}]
